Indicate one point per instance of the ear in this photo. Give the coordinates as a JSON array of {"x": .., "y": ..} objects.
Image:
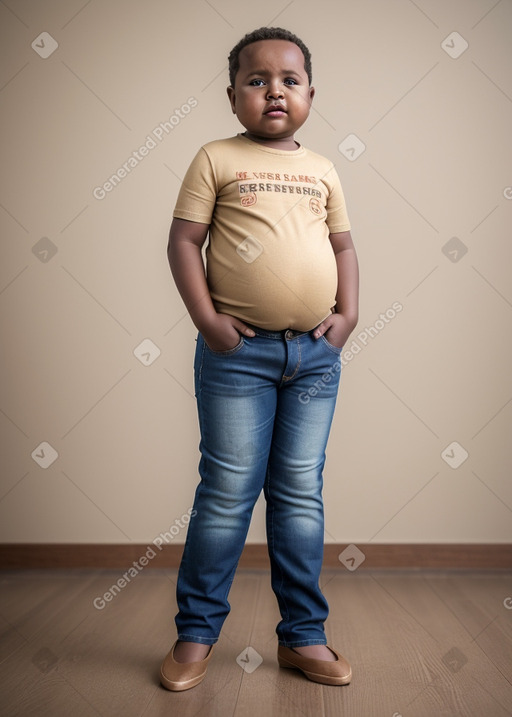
[
  {"x": 311, "y": 94},
  {"x": 232, "y": 98}
]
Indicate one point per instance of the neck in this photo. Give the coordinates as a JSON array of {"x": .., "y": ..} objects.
[{"x": 286, "y": 143}]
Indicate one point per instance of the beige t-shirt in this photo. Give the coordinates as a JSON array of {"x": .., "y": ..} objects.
[{"x": 269, "y": 260}]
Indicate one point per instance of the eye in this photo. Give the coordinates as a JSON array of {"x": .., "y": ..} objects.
[
  {"x": 290, "y": 80},
  {"x": 252, "y": 82}
]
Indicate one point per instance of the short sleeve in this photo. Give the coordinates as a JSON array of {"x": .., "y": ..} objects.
[
  {"x": 337, "y": 217},
  {"x": 198, "y": 192}
]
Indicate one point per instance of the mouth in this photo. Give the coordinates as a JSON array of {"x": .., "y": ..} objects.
[{"x": 275, "y": 111}]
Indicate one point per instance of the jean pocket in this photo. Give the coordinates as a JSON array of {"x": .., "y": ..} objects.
[
  {"x": 228, "y": 352},
  {"x": 331, "y": 347}
]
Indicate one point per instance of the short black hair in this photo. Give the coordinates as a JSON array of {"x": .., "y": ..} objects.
[{"x": 266, "y": 33}]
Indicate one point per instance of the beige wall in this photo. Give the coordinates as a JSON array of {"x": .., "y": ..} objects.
[{"x": 437, "y": 165}]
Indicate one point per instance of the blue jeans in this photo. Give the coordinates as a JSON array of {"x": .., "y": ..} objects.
[{"x": 265, "y": 410}]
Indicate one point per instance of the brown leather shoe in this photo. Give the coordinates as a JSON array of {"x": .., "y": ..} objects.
[
  {"x": 322, "y": 671},
  {"x": 178, "y": 676}
]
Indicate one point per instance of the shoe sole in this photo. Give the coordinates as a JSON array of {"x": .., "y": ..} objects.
[
  {"x": 180, "y": 686},
  {"x": 313, "y": 676}
]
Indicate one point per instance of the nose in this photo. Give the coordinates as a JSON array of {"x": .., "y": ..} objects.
[{"x": 274, "y": 91}]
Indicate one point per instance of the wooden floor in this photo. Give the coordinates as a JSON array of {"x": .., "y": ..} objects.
[{"x": 421, "y": 644}]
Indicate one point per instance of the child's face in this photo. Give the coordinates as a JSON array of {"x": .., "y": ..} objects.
[{"x": 271, "y": 73}]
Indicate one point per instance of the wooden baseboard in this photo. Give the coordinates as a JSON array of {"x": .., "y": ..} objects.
[{"x": 493, "y": 556}]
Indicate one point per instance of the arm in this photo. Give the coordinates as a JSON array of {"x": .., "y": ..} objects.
[
  {"x": 340, "y": 325},
  {"x": 220, "y": 331}
]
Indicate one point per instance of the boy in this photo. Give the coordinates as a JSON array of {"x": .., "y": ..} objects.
[{"x": 277, "y": 304}]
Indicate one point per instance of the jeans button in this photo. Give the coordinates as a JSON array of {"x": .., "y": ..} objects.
[{"x": 289, "y": 334}]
